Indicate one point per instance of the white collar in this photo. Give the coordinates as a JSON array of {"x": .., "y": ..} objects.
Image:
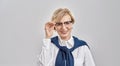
[{"x": 69, "y": 43}]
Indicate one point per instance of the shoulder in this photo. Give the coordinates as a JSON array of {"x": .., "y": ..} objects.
[
  {"x": 80, "y": 41},
  {"x": 54, "y": 39}
]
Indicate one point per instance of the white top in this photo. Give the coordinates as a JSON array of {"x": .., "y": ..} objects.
[{"x": 82, "y": 55}]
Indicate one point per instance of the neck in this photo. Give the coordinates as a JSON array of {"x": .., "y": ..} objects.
[{"x": 66, "y": 38}]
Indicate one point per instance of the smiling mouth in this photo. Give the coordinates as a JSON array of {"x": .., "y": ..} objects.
[{"x": 64, "y": 32}]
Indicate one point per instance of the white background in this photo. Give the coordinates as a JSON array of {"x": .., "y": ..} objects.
[{"x": 22, "y": 29}]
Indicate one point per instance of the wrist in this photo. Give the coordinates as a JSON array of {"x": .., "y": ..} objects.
[{"x": 48, "y": 37}]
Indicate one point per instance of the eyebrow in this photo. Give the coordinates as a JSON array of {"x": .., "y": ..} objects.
[{"x": 65, "y": 21}]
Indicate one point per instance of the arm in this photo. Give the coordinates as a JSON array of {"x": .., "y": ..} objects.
[
  {"x": 88, "y": 57},
  {"x": 46, "y": 54}
]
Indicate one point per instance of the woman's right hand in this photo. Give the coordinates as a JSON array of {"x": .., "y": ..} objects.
[{"x": 49, "y": 29}]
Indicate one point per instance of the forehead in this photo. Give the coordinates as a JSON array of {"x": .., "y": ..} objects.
[{"x": 65, "y": 18}]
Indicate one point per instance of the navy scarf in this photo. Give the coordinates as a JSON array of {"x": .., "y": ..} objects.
[{"x": 64, "y": 56}]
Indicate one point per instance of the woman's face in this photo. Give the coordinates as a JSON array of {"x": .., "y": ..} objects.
[{"x": 64, "y": 27}]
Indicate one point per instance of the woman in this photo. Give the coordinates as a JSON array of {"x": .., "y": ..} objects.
[{"x": 64, "y": 49}]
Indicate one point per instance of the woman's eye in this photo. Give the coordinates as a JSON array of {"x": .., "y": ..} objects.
[
  {"x": 58, "y": 24},
  {"x": 68, "y": 22}
]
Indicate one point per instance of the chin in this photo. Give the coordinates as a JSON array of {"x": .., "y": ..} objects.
[{"x": 64, "y": 35}]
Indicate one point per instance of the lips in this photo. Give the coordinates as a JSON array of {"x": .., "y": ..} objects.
[{"x": 63, "y": 32}]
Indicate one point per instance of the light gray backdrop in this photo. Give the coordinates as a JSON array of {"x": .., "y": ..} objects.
[{"x": 22, "y": 29}]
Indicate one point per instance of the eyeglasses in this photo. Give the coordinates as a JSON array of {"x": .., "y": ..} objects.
[{"x": 65, "y": 23}]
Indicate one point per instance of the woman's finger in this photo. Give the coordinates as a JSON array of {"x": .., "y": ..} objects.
[{"x": 49, "y": 25}]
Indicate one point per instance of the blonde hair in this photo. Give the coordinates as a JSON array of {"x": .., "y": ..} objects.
[{"x": 59, "y": 13}]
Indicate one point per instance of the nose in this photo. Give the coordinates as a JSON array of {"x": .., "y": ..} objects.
[{"x": 63, "y": 27}]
